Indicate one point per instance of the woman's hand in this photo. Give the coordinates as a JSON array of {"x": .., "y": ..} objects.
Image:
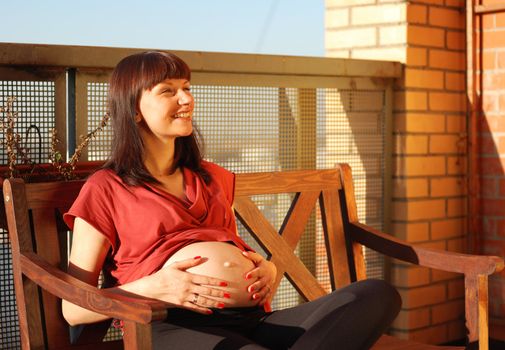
[
  {"x": 264, "y": 275},
  {"x": 174, "y": 285}
]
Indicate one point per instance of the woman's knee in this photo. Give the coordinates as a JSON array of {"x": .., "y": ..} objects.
[{"x": 379, "y": 293}]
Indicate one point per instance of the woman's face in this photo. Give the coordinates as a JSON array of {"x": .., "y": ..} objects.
[{"x": 166, "y": 110}]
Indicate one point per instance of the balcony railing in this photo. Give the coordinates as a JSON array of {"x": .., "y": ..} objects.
[{"x": 256, "y": 113}]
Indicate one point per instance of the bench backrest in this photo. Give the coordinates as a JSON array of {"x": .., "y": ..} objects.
[{"x": 309, "y": 188}]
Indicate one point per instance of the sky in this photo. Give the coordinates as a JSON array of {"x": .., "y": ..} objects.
[{"x": 280, "y": 27}]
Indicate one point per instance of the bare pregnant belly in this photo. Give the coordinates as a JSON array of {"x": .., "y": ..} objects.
[{"x": 224, "y": 261}]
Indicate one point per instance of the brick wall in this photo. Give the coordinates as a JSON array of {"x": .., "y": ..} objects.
[
  {"x": 492, "y": 151},
  {"x": 429, "y": 196}
]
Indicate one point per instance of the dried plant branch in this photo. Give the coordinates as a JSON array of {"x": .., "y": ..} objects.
[
  {"x": 67, "y": 169},
  {"x": 12, "y": 140},
  {"x": 15, "y": 151}
]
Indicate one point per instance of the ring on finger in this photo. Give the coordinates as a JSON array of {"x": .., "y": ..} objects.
[{"x": 195, "y": 298}]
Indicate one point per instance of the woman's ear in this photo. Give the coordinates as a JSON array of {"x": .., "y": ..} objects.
[{"x": 138, "y": 118}]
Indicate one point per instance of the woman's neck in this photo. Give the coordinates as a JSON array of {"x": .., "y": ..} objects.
[{"x": 159, "y": 156}]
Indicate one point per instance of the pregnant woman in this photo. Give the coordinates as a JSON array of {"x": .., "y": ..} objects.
[{"x": 159, "y": 221}]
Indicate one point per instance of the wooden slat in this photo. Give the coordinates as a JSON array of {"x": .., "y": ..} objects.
[
  {"x": 286, "y": 182},
  {"x": 273, "y": 243},
  {"x": 65, "y": 286},
  {"x": 52, "y": 194},
  {"x": 294, "y": 225},
  {"x": 48, "y": 248},
  {"x": 297, "y": 217},
  {"x": 482, "y": 281},
  {"x": 352, "y": 217},
  {"x": 433, "y": 258},
  {"x": 335, "y": 239},
  {"x": 137, "y": 336},
  {"x": 27, "y": 296}
]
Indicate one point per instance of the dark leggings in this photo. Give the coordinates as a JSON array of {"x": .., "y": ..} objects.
[{"x": 353, "y": 317}]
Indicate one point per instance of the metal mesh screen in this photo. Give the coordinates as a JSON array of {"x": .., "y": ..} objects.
[
  {"x": 250, "y": 129},
  {"x": 35, "y": 104},
  {"x": 99, "y": 148}
]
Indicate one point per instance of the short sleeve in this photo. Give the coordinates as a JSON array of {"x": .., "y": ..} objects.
[
  {"x": 225, "y": 178},
  {"x": 95, "y": 206}
]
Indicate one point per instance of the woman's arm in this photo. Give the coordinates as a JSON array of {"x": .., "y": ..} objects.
[
  {"x": 89, "y": 248},
  {"x": 171, "y": 284}
]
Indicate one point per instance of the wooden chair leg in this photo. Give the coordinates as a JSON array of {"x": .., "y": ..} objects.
[{"x": 137, "y": 336}]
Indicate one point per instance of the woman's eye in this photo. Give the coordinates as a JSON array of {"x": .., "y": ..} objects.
[
  {"x": 168, "y": 91},
  {"x": 187, "y": 88}
]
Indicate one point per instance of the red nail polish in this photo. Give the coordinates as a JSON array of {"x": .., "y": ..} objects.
[
  {"x": 255, "y": 296},
  {"x": 227, "y": 295},
  {"x": 197, "y": 257},
  {"x": 209, "y": 312},
  {"x": 220, "y": 305},
  {"x": 223, "y": 284}
]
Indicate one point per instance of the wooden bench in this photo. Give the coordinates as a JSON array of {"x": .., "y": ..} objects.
[{"x": 39, "y": 250}]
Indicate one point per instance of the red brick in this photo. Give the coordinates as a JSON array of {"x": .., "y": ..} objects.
[
  {"x": 455, "y": 81},
  {"x": 450, "y": 102},
  {"x": 425, "y": 36},
  {"x": 417, "y": 14},
  {"x": 488, "y": 187},
  {"x": 489, "y": 60},
  {"x": 501, "y": 145},
  {"x": 448, "y": 311},
  {"x": 412, "y": 319},
  {"x": 431, "y": 2},
  {"x": 502, "y": 187},
  {"x": 447, "y": 59},
  {"x": 500, "y": 60},
  {"x": 495, "y": 39},
  {"x": 492, "y": 165},
  {"x": 422, "y": 296},
  {"x": 499, "y": 20},
  {"x": 447, "y": 186},
  {"x": 494, "y": 82},
  {"x": 501, "y": 227},
  {"x": 447, "y": 144},
  {"x": 421, "y": 78},
  {"x": 456, "y": 289},
  {"x": 447, "y": 18},
  {"x": 456, "y": 165},
  {"x": 487, "y": 145},
  {"x": 419, "y": 209},
  {"x": 458, "y": 245},
  {"x": 444, "y": 229},
  {"x": 493, "y": 207},
  {"x": 432, "y": 335},
  {"x": 488, "y": 22},
  {"x": 492, "y": 123},
  {"x": 411, "y": 231},
  {"x": 456, "y": 207},
  {"x": 456, "y": 123},
  {"x": 455, "y": 3},
  {"x": 417, "y": 56},
  {"x": 489, "y": 227},
  {"x": 490, "y": 101}
]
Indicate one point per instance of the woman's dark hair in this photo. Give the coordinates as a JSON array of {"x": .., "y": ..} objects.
[{"x": 133, "y": 75}]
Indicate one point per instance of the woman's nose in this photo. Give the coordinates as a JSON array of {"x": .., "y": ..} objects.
[{"x": 185, "y": 97}]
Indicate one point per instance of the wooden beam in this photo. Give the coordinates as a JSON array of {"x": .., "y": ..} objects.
[{"x": 487, "y": 9}]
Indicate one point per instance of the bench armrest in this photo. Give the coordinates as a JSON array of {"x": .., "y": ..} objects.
[
  {"x": 64, "y": 286},
  {"x": 433, "y": 258}
]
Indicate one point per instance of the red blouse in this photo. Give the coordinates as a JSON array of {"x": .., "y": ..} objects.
[{"x": 146, "y": 225}]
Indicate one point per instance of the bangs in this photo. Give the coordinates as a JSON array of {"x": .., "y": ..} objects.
[{"x": 159, "y": 66}]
